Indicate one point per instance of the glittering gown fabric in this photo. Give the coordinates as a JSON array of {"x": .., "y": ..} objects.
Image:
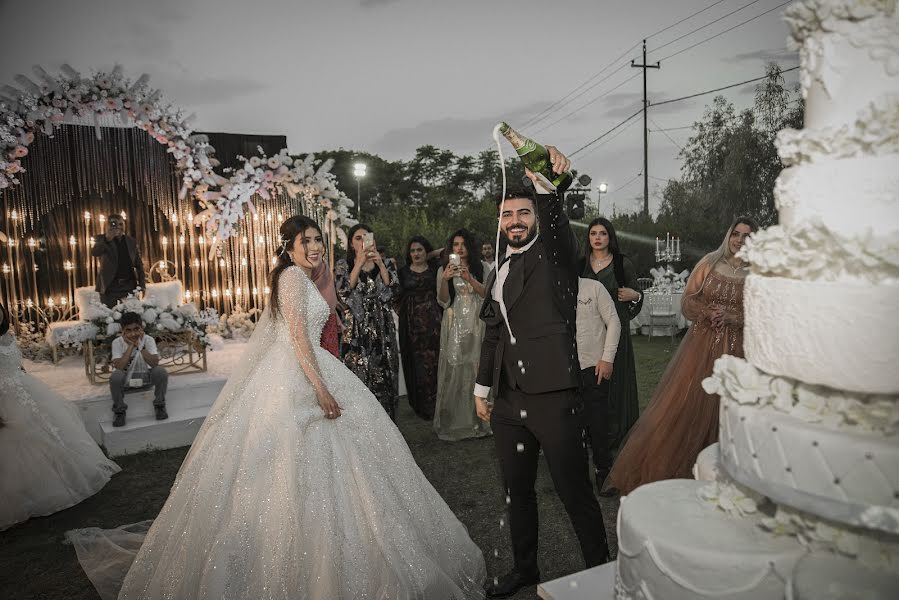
[
  {"x": 461, "y": 334},
  {"x": 369, "y": 345},
  {"x": 681, "y": 418},
  {"x": 419, "y": 332},
  {"x": 276, "y": 502},
  {"x": 49, "y": 461}
]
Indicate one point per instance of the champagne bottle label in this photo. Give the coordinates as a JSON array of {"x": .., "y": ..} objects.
[{"x": 521, "y": 144}]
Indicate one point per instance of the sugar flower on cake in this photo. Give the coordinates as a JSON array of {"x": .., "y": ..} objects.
[
  {"x": 737, "y": 379},
  {"x": 731, "y": 497}
]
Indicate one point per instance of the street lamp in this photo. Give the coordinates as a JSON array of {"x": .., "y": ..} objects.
[
  {"x": 601, "y": 189},
  {"x": 359, "y": 173}
]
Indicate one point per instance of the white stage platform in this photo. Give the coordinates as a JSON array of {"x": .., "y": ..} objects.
[
  {"x": 597, "y": 583},
  {"x": 188, "y": 399}
]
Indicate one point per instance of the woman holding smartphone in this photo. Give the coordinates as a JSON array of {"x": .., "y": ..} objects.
[
  {"x": 366, "y": 285},
  {"x": 460, "y": 290}
]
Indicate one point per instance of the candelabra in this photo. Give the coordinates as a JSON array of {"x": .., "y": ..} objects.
[{"x": 669, "y": 253}]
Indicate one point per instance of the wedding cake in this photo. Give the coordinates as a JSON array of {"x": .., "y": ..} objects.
[{"x": 804, "y": 498}]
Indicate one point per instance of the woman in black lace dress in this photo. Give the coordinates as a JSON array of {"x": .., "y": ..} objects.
[{"x": 419, "y": 331}]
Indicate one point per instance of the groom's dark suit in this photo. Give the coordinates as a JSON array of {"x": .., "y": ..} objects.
[{"x": 535, "y": 385}]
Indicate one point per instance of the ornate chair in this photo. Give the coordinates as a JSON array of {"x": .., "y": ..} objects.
[{"x": 661, "y": 313}]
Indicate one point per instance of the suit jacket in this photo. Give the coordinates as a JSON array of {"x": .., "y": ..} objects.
[
  {"x": 109, "y": 262},
  {"x": 540, "y": 294}
]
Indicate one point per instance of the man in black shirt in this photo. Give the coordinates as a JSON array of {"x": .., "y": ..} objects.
[{"x": 121, "y": 268}]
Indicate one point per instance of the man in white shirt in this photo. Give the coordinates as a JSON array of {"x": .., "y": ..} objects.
[
  {"x": 136, "y": 363},
  {"x": 598, "y": 332}
]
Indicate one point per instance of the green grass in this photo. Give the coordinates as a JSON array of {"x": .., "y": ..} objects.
[{"x": 37, "y": 564}]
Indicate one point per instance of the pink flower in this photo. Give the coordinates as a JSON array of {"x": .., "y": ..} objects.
[
  {"x": 13, "y": 167},
  {"x": 268, "y": 176},
  {"x": 57, "y": 118},
  {"x": 20, "y": 151},
  {"x": 162, "y": 139},
  {"x": 104, "y": 83}
]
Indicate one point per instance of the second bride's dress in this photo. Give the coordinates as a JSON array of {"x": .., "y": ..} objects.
[{"x": 276, "y": 501}]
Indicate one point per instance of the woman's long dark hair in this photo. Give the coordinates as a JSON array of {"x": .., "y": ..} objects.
[
  {"x": 424, "y": 243},
  {"x": 350, "y": 251},
  {"x": 289, "y": 230},
  {"x": 614, "y": 248},
  {"x": 475, "y": 266},
  {"x": 4, "y": 320}
]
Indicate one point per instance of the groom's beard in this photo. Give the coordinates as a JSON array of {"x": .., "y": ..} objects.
[{"x": 521, "y": 243}]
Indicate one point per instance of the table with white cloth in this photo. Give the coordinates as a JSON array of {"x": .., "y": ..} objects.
[{"x": 640, "y": 325}]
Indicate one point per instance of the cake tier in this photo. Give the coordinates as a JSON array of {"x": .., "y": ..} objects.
[
  {"x": 707, "y": 464},
  {"x": 848, "y": 195},
  {"x": 849, "y": 52},
  {"x": 673, "y": 546},
  {"x": 827, "y": 576},
  {"x": 839, "y": 334},
  {"x": 850, "y": 477}
]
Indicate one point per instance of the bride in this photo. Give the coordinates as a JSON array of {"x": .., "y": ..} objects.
[{"x": 298, "y": 485}]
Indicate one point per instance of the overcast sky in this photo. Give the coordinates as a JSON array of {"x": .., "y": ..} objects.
[{"x": 387, "y": 76}]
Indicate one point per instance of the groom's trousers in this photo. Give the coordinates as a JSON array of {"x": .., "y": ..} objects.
[{"x": 522, "y": 424}]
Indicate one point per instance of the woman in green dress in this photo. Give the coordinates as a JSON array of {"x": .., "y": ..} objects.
[{"x": 605, "y": 263}]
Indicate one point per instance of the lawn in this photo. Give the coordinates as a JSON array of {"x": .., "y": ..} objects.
[{"x": 37, "y": 564}]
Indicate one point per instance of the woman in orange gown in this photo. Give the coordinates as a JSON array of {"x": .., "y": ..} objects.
[{"x": 682, "y": 418}]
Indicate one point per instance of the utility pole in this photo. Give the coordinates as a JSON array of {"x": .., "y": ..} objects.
[{"x": 645, "y": 66}]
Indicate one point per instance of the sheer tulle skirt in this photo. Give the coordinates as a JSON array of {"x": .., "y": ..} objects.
[
  {"x": 275, "y": 501},
  {"x": 681, "y": 418}
]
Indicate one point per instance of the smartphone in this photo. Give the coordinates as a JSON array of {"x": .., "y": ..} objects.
[
  {"x": 454, "y": 260},
  {"x": 368, "y": 240}
]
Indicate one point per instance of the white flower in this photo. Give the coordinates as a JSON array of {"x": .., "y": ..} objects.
[
  {"x": 150, "y": 315},
  {"x": 110, "y": 320},
  {"x": 116, "y": 315},
  {"x": 273, "y": 162},
  {"x": 113, "y": 329},
  {"x": 255, "y": 162}
]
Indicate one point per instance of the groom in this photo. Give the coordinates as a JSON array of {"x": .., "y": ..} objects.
[{"x": 529, "y": 357}]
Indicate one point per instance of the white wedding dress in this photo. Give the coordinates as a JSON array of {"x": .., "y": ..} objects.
[
  {"x": 275, "y": 501},
  {"x": 48, "y": 461}
]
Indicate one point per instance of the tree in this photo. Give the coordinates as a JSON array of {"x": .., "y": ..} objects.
[{"x": 730, "y": 165}]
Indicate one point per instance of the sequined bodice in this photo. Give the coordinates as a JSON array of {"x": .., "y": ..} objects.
[
  {"x": 314, "y": 311},
  {"x": 724, "y": 291},
  {"x": 10, "y": 357}
]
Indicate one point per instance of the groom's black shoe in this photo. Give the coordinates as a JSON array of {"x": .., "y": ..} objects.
[{"x": 511, "y": 582}]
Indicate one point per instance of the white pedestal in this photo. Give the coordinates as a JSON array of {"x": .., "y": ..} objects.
[{"x": 597, "y": 583}]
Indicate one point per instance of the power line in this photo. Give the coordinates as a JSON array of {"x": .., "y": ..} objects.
[
  {"x": 727, "y": 87},
  {"x": 590, "y": 143},
  {"x": 679, "y": 147},
  {"x": 539, "y": 117},
  {"x": 637, "y": 176},
  {"x": 701, "y": 27},
  {"x": 727, "y": 30},
  {"x": 675, "y": 128},
  {"x": 564, "y": 100},
  {"x": 608, "y": 140},
  {"x": 598, "y": 98},
  {"x": 684, "y": 19}
]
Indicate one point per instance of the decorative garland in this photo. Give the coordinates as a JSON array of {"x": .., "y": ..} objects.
[
  {"x": 309, "y": 179},
  {"x": 104, "y": 97}
]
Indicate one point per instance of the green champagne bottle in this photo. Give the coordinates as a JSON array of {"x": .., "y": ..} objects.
[{"x": 536, "y": 158}]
